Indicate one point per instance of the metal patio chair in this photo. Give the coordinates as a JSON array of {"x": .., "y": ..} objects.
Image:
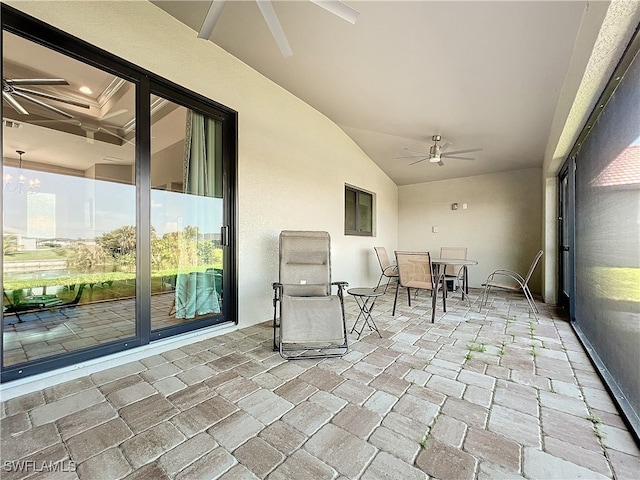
[
  {"x": 389, "y": 270},
  {"x": 416, "y": 272},
  {"x": 513, "y": 281}
]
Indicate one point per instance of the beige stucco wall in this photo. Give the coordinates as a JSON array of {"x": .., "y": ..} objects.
[
  {"x": 293, "y": 162},
  {"x": 500, "y": 227}
]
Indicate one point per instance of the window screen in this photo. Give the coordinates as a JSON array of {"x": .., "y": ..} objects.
[{"x": 607, "y": 240}]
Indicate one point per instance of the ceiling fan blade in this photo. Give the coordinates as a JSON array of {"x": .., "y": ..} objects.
[
  {"x": 418, "y": 161},
  {"x": 340, "y": 9},
  {"x": 416, "y": 151},
  {"x": 273, "y": 23},
  {"x": 14, "y": 103},
  {"x": 411, "y": 156},
  {"x": 210, "y": 20},
  {"x": 52, "y": 97},
  {"x": 51, "y": 120},
  {"x": 115, "y": 113},
  {"x": 444, "y": 146},
  {"x": 42, "y": 104},
  {"x": 36, "y": 81},
  {"x": 441, "y": 163},
  {"x": 458, "y": 158},
  {"x": 464, "y": 151},
  {"x": 111, "y": 132}
]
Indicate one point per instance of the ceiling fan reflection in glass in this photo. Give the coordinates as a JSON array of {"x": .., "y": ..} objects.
[{"x": 15, "y": 87}]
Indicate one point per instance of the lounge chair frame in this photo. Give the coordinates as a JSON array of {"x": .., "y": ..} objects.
[{"x": 303, "y": 299}]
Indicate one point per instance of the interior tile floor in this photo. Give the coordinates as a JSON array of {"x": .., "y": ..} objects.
[{"x": 489, "y": 394}]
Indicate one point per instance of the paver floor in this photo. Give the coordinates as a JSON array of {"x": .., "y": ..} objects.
[{"x": 489, "y": 394}]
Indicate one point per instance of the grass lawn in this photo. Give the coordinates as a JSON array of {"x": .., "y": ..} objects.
[{"x": 35, "y": 255}]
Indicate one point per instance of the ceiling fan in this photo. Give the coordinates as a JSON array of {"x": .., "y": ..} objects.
[
  {"x": 437, "y": 153},
  {"x": 92, "y": 126},
  {"x": 14, "y": 87},
  {"x": 337, "y": 7}
]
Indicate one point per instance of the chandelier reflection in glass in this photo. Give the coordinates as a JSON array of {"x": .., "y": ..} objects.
[{"x": 21, "y": 184}]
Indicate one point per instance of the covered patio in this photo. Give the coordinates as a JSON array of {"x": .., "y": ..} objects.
[{"x": 489, "y": 394}]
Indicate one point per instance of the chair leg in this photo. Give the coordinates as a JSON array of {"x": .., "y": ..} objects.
[
  {"x": 434, "y": 297},
  {"x": 380, "y": 280},
  {"x": 387, "y": 285},
  {"x": 483, "y": 297},
  {"x": 395, "y": 299},
  {"x": 531, "y": 301},
  {"x": 409, "y": 295}
]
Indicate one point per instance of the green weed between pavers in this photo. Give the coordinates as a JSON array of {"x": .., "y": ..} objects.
[
  {"x": 477, "y": 348},
  {"x": 593, "y": 419},
  {"x": 423, "y": 441}
]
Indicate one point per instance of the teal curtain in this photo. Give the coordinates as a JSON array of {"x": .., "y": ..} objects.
[
  {"x": 202, "y": 156},
  {"x": 195, "y": 290}
]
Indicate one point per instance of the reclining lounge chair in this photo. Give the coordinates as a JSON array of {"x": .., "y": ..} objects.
[{"x": 308, "y": 320}]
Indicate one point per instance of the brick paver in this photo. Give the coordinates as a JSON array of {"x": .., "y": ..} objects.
[{"x": 475, "y": 395}]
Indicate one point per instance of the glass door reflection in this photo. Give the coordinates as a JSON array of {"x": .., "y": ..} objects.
[{"x": 186, "y": 216}]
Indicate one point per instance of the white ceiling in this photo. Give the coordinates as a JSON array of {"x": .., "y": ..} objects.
[{"x": 481, "y": 74}]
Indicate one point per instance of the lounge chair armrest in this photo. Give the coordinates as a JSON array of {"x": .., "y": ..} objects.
[{"x": 340, "y": 285}]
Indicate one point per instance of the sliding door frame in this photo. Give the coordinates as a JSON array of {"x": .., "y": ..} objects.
[{"x": 146, "y": 83}]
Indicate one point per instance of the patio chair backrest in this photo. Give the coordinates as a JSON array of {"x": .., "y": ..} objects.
[
  {"x": 383, "y": 258},
  {"x": 415, "y": 270},
  {"x": 533, "y": 266},
  {"x": 453, "y": 252}
]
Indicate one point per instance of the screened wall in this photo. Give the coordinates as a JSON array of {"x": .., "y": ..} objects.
[{"x": 607, "y": 242}]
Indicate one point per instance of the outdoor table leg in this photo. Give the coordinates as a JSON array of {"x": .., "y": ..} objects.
[{"x": 366, "y": 305}]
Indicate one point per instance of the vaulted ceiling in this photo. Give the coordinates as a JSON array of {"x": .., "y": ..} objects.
[
  {"x": 514, "y": 78},
  {"x": 486, "y": 74}
]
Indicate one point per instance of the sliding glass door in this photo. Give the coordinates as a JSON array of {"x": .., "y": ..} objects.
[
  {"x": 117, "y": 203},
  {"x": 188, "y": 232},
  {"x": 69, "y": 204}
]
